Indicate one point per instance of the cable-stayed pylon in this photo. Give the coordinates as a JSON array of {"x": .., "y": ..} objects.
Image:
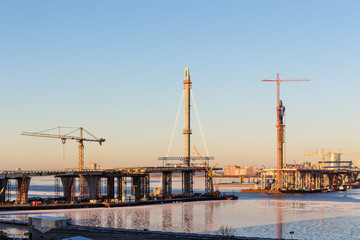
[{"x": 187, "y": 94}]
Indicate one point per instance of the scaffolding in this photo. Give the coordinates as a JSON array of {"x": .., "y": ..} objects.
[
  {"x": 187, "y": 183},
  {"x": 58, "y": 188},
  {"x": 73, "y": 190},
  {"x": 9, "y": 190}
]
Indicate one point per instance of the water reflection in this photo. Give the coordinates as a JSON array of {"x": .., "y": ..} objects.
[
  {"x": 179, "y": 217},
  {"x": 209, "y": 216},
  {"x": 268, "y": 217},
  {"x": 187, "y": 210},
  {"x": 14, "y": 232},
  {"x": 140, "y": 219},
  {"x": 167, "y": 217},
  {"x": 279, "y": 220}
]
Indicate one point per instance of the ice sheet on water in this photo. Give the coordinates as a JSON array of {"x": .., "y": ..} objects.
[
  {"x": 251, "y": 213},
  {"x": 337, "y": 228}
]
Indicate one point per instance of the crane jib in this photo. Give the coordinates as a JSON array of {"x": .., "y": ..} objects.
[{"x": 65, "y": 137}]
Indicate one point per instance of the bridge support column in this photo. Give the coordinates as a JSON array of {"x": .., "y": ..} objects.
[
  {"x": 23, "y": 189},
  {"x": 308, "y": 180},
  {"x": 331, "y": 180},
  {"x": 301, "y": 180},
  {"x": 318, "y": 180},
  {"x": 67, "y": 183},
  {"x": 92, "y": 182},
  {"x": 136, "y": 187},
  {"x": 298, "y": 180},
  {"x": 121, "y": 190},
  {"x": 207, "y": 184},
  {"x": 3, "y": 185},
  {"x": 341, "y": 179},
  {"x": 187, "y": 183},
  {"x": 110, "y": 187},
  {"x": 166, "y": 185},
  {"x": 354, "y": 176},
  {"x": 326, "y": 180},
  {"x": 140, "y": 187},
  {"x": 263, "y": 180},
  {"x": 146, "y": 184}
]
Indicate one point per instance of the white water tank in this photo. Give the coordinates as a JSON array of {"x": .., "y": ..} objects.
[{"x": 335, "y": 160}]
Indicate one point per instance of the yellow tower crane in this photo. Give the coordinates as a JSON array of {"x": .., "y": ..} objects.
[
  {"x": 323, "y": 154},
  {"x": 67, "y": 136},
  {"x": 317, "y": 153},
  {"x": 210, "y": 173}
]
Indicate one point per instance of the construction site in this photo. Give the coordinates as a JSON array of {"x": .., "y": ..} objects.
[
  {"x": 83, "y": 187},
  {"x": 333, "y": 175}
]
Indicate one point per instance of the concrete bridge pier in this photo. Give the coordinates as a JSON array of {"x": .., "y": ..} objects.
[
  {"x": 166, "y": 185},
  {"x": 110, "y": 187},
  {"x": 354, "y": 176},
  {"x": 23, "y": 189},
  {"x": 329, "y": 180},
  {"x": 307, "y": 180},
  {"x": 187, "y": 183},
  {"x": 336, "y": 180},
  {"x": 3, "y": 185},
  {"x": 136, "y": 187},
  {"x": 67, "y": 183},
  {"x": 207, "y": 184},
  {"x": 92, "y": 182},
  {"x": 121, "y": 189},
  {"x": 146, "y": 185},
  {"x": 140, "y": 187},
  {"x": 341, "y": 179}
]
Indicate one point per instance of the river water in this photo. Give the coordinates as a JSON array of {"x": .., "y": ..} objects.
[{"x": 333, "y": 215}]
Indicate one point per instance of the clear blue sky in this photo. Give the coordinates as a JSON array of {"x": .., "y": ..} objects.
[{"x": 116, "y": 68}]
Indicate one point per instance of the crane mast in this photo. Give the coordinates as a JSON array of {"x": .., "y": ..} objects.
[
  {"x": 280, "y": 112},
  {"x": 81, "y": 151}
]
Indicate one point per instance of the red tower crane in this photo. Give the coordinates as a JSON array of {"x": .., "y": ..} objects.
[{"x": 280, "y": 111}]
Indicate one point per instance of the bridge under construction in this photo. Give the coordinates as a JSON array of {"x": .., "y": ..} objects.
[
  {"x": 84, "y": 184},
  {"x": 140, "y": 182}
]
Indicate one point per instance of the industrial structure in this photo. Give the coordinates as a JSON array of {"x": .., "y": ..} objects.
[
  {"x": 308, "y": 180},
  {"x": 208, "y": 174},
  {"x": 80, "y": 139},
  {"x": 334, "y": 161},
  {"x": 187, "y": 130},
  {"x": 67, "y": 136},
  {"x": 115, "y": 179},
  {"x": 335, "y": 176},
  {"x": 187, "y": 176},
  {"x": 280, "y": 113},
  {"x": 92, "y": 180}
]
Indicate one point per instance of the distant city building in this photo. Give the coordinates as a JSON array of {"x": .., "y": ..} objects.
[
  {"x": 236, "y": 170},
  {"x": 232, "y": 170}
]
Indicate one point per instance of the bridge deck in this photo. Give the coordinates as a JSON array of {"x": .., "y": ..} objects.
[{"x": 114, "y": 171}]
